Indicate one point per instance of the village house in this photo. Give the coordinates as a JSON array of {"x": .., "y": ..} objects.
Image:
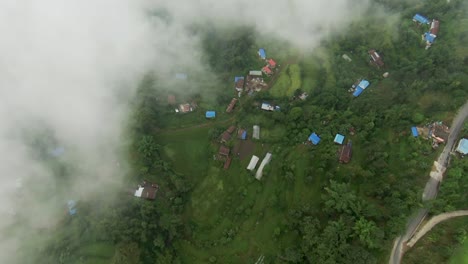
[
  {"x": 146, "y": 190},
  {"x": 267, "y": 70},
  {"x": 420, "y": 19},
  {"x": 227, "y": 163},
  {"x": 239, "y": 83},
  {"x": 210, "y": 114},
  {"x": 256, "y": 132},
  {"x": 255, "y": 82},
  {"x": 253, "y": 162},
  {"x": 225, "y": 137},
  {"x": 434, "y": 27},
  {"x": 345, "y": 153},
  {"x": 231, "y": 105},
  {"x": 267, "y": 107},
  {"x": 271, "y": 63},
  {"x": 262, "y": 53},
  {"x": 255, "y": 73},
  {"x": 224, "y": 151},
  {"x": 185, "y": 108},
  {"x": 265, "y": 161},
  {"x": 363, "y": 84},
  {"x": 339, "y": 139},
  {"x": 414, "y": 131},
  {"x": 431, "y": 35},
  {"x": 314, "y": 138},
  {"x": 71, "y": 204},
  {"x": 462, "y": 147},
  {"x": 375, "y": 58},
  {"x": 242, "y": 134}
]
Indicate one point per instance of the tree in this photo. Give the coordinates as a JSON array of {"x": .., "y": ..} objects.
[
  {"x": 127, "y": 253},
  {"x": 367, "y": 232},
  {"x": 295, "y": 113}
]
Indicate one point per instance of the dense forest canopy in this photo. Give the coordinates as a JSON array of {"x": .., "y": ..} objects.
[{"x": 308, "y": 208}]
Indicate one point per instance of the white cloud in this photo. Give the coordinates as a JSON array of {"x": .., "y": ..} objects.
[{"x": 61, "y": 63}]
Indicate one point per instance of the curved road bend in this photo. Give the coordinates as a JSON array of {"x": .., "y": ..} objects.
[{"x": 432, "y": 186}]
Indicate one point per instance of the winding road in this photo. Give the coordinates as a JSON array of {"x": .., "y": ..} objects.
[{"x": 432, "y": 186}]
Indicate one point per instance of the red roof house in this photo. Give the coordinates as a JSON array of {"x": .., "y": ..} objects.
[
  {"x": 240, "y": 85},
  {"x": 376, "y": 59},
  {"x": 434, "y": 27},
  {"x": 231, "y": 105},
  {"x": 272, "y": 63},
  {"x": 266, "y": 70},
  {"x": 146, "y": 190},
  {"x": 225, "y": 137},
  {"x": 345, "y": 153},
  {"x": 227, "y": 163},
  {"x": 224, "y": 151}
]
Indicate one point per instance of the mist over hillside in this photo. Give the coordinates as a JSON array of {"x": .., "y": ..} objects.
[{"x": 63, "y": 63}]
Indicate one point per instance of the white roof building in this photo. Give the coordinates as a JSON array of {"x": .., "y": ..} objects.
[
  {"x": 255, "y": 73},
  {"x": 463, "y": 146},
  {"x": 253, "y": 163},
  {"x": 139, "y": 191},
  {"x": 267, "y": 107},
  {"x": 256, "y": 132},
  {"x": 265, "y": 161}
]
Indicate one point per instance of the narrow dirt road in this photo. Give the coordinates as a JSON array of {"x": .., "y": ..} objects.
[
  {"x": 433, "y": 222},
  {"x": 432, "y": 186}
]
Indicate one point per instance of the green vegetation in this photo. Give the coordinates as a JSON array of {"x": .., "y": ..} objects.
[
  {"x": 445, "y": 243},
  {"x": 288, "y": 82},
  {"x": 308, "y": 208}
]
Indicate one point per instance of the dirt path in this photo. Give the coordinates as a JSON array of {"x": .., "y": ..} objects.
[
  {"x": 433, "y": 222},
  {"x": 207, "y": 124}
]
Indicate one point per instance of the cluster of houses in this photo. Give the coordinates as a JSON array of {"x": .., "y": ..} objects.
[
  {"x": 253, "y": 164},
  {"x": 361, "y": 84},
  {"x": 345, "y": 150},
  {"x": 429, "y": 36},
  {"x": 435, "y": 131},
  {"x": 254, "y": 81},
  {"x": 233, "y": 132},
  {"x": 224, "y": 151}
]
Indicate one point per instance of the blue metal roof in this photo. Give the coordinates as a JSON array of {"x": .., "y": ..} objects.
[
  {"x": 415, "y": 132},
  {"x": 314, "y": 138},
  {"x": 429, "y": 37},
  {"x": 463, "y": 146},
  {"x": 238, "y": 78},
  {"x": 210, "y": 114},
  {"x": 244, "y": 135},
  {"x": 421, "y": 19},
  {"x": 71, "y": 207},
  {"x": 358, "y": 91},
  {"x": 364, "y": 84},
  {"x": 262, "y": 53},
  {"x": 339, "y": 139},
  {"x": 58, "y": 151},
  {"x": 181, "y": 76}
]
